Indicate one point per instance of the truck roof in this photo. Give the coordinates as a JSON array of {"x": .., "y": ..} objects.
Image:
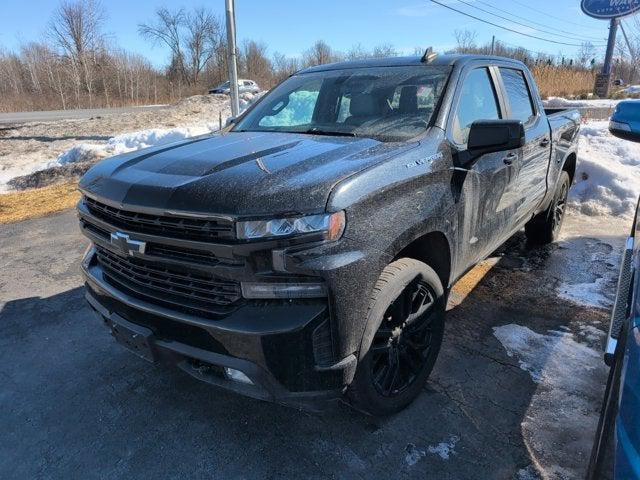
[{"x": 443, "y": 60}]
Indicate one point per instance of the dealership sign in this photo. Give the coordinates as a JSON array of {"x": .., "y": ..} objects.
[{"x": 606, "y": 9}]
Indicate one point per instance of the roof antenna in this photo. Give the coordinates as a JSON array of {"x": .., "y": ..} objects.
[{"x": 428, "y": 56}]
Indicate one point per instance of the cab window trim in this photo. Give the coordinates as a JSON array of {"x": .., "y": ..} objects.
[
  {"x": 536, "y": 112},
  {"x": 497, "y": 91}
]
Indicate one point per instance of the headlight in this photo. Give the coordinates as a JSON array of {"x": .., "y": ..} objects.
[
  {"x": 613, "y": 125},
  {"x": 331, "y": 224}
]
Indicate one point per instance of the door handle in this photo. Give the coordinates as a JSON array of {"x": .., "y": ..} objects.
[
  {"x": 508, "y": 160},
  {"x": 545, "y": 142}
]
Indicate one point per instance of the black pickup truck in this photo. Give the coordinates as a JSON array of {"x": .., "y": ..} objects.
[{"x": 305, "y": 253}]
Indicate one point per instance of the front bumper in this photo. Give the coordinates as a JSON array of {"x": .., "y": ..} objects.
[{"x": 274, "y": 344}]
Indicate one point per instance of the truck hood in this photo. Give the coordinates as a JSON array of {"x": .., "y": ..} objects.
[{"x": 244, "y": 173}]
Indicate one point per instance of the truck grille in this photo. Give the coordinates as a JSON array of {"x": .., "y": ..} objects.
[
  {"x": 171, "y": 287},
  {"x": 175, "y": 227}
]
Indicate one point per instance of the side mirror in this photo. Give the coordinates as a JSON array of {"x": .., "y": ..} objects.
[
  {"x": 623, "y": 131},
  {"x": 623, "y": 123},
  {"x": 487, "y": 136}
]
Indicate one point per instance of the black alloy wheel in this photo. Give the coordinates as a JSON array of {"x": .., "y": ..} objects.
[{"x": 400, "y": 348}]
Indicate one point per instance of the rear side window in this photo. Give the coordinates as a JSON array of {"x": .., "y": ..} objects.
[
  {"x": 477, "y": 102},
  {"x": 518, "y": 93}
]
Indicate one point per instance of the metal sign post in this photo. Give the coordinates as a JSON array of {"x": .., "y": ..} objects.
[
  {"x": 611, "y": 10},
  {"x": 232, "y": 57}
]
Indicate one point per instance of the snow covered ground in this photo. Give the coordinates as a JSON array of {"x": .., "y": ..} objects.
[
  {"x": 607, "y": 179},
  {"x": 34, "y": 147},
  {"x": 559, "y": 102}
]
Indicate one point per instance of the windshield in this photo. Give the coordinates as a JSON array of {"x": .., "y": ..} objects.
[{"x": 385, "y": 103}]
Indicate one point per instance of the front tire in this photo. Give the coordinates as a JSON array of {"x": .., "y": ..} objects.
[
  {"x": 406, "y": 319},
  {"x": 545, "y": 227}
]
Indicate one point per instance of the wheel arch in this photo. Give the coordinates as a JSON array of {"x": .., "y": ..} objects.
[
  {"x": 570, "y": 165},
  {"x": 432, "y": 248}
]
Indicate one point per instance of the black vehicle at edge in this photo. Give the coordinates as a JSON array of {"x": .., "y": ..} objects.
[{"x": 305, "y": 253}]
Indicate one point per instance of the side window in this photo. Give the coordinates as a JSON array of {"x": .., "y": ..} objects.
[
  {"x": 477, "y": 102},
  {"x": 518, "y": 93}
]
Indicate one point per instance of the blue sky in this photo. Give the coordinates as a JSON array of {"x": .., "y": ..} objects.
[{"x": 289, "y": 26}]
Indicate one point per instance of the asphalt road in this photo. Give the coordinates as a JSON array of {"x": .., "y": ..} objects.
[
  {"x": 74, "y": 404},
  {"x": 52, "y": 115}
]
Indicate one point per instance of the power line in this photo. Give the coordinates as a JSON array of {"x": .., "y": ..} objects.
[
  {"x": 563, "y": 20},
  {"x": 519, "y": 23},
  {"x": 534, "y": 22},
  {"x": 503, "y": 27}
]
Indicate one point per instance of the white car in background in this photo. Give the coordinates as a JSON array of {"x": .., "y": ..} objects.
[{"x": 244, "y": 86}]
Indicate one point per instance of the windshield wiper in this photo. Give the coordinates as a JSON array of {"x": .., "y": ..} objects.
[{"x": 333, "y": 133}]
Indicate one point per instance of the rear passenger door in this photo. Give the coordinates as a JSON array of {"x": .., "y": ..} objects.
[{"x": 531, "y": 165}]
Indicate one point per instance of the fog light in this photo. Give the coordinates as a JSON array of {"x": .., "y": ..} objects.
[
  {"x": 237, "y": 376},
  {"x": 283, "y": 290}
]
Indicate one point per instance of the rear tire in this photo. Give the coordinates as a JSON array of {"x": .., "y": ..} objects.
[
  {"x": 406, "y": 325},
  {"x": 545, "y": 227}
]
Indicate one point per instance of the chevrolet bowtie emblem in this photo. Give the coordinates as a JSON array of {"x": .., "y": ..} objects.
[{"x": 123, "y": 242}]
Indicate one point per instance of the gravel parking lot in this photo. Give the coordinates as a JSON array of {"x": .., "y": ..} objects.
[{"x": 515, "y": 393}]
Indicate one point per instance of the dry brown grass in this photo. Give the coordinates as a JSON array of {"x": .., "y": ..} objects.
[
  {"x": 37, "y": 202},
  {"x": 562, "y": 81}
]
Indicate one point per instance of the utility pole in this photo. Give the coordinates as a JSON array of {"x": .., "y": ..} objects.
[
  {"x": 232, "y": 57},
  {"x": 603, "y": 79},
  {"x": 493, "y": 44},
  {"x": 611, "y": 43}
]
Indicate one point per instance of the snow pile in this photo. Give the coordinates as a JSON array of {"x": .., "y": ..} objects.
[
  {"x": 607, "y": 180},
  {"x": 129, "y": 142},
  {"x": 153, "y": 137},
  {"x": 559, "y": 102},
  {"x": 632, "y": 89}
]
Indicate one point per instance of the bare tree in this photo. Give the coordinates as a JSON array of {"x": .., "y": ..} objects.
[
  {"x": 284, "y": 66},
  {"x": 193, "y": 39},
  {"x": 203, "y": 38},
  {"x": 166, "y": 30},
  {"x": 254, "y": 62},
  {"x": 319, "y": 54},
  {"x": 76, "y": 29},
  {"x": 358, "y": 52},
  {"x": 586, "y": 53},
  {"x": 384, "y": 50},
  {"x": 465, "y": 41}
]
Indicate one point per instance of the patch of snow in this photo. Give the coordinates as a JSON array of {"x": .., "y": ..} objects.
[
  {"x": 529, "y": 473},
  {"x": 591, "y": 333},
  {"x": 562, "y": 408},
  {"x": 129, "y": 142},
  {"x": 413, "y": 454},
  {"x": 607, "y": 179},
  {"x": 588, "y": 294},
  {"x": 559, "y": 102},
  {"x": 632, "y": 89},
  {"x": 445, "y": 449},
  {"x": 549, "y": 359}
]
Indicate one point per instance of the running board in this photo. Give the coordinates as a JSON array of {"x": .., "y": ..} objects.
[{"x": 619, "y": 314}]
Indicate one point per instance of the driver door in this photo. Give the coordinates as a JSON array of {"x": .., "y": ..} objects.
[{"x": 485, "y": 207}]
